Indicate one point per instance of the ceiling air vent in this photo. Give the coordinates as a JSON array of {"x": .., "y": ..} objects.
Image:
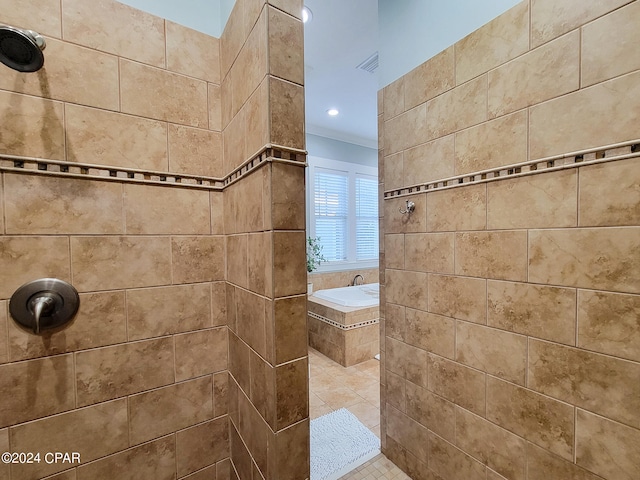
[{"x": 370, "y": 64}]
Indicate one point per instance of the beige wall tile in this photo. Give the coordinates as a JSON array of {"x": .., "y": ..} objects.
[
  {"x": 292, "y": 452},
  {"x": 544, "y": 73},
  {"x": 482, "y": 255},
  {"x": 394, "y": 245},
  {"x": 220, "y": 393},
  {"x": 394, "y": 321},
  {"x": 589, "y": 114},
  {"x": 607, "y": 259},
  {"x": 539, "y": 419},
  {"x": 32, "y": 127},
  {"x": 542, "y": 465},
  {"x": 292, "y": 7},
  {"x": 151, "y": 460},
  {"x": 288, "y": 198},
  {"x": 458, "y": 297},
  {"x": 497, "y": 448},
  {"x": 23, "y": 259},
  {"x": 286, "y": 37},
  {"x": 217, "y": 212},
  {"x": 433, "y": 77},
  {"x": 232, "y": 38},
  {"x": 449, "y": 462},
  {"x": 457, "y": 209},
  {"x": 495, "y": 143},
  {"x": 111, "y": 372},
  {"x": 432, "y": 411},
  {"x": 550, "y": 19},
  {"x": 256, "y": 131},
  {"x": 609, "y": 194},
  {"x": 215, "y": 107},
  {"x": 202, "y": 445},
  {"x": 429, "y": 252},
  {"x": 393, "y": 171},
  {"x": 193, "y": 53},
  {"x": 239, "y": 363},
  {"x": 459, "y": 384},
  {"x": 498, "y": 353},
  {"x": 394, "y": 99},
  {"x": 233, "y": 142},
  {"x": 607, "y": 448},
  {"x": 36, "y": 204},
  {"x": 286, "y": 101},
  {"x": 5, "y": 468},
  {"x": 115, "y": 28},
  {"x": 260, "y": 263},
  {"x": 4, "y": 341},
  {"x": 408, "y": 432},
  {"x": 603, "y": 384},
  {"x": 534, "y": 201},
  {"x": 237, "y": 268},
  {"x": 535, "y": 310},
  {"x": 41, "y": 16},
  {"x": 158, "y": 412},
  {"x": 289, "y": 268},
  {"x": 290, "y": 329},
  {"x": 407, "y": 288},
  {"x": 395, "y": 222},
  {"x": 407, "y": 361},
  {"x": 395, "y": 394},
  {"x": 2, "y": 214},
  {"x": 100, "y": 321},
  {"x": 493, "y": 44},
  {"x": 459, "y": 108},
  {"x": 197, "y": 259},
  {"x": 201, "y": 353},
  {"x": 430, "y": 332},
  {"x": 240, "y": 456},
  {"x": 195, "y": 151},
  {"x": 607, "y": 323},
  {"x": 154, "y": 93},
  {"x": 50, "y": 389},
  {"x": 107, "y": 263},
  {"x": 406, "y": 130},
  {"x": 292, "y": 393},
  {"x": 74, "y": 431},
  {"x": 109, "y": 138}
]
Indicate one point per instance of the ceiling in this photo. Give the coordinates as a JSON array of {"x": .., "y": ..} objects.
[{"x": 340, "y": 36}]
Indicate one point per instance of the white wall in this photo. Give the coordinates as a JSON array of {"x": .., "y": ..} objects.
[
  {"x": 412, "y": 31},
  {"x": 324, "y": 147}
]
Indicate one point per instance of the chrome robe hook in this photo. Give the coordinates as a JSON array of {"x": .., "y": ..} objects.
[{"x": 410, "y": 208}]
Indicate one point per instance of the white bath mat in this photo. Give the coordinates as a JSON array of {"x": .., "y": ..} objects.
[{"x": 340, "y": 443}]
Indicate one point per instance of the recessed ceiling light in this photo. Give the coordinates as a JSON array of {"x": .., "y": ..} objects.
[
  {"x": 333, "y": 112},
  {"x": 307, "y": 15}
]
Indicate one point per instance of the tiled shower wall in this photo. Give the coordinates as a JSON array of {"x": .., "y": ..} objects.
[{"x": 511, "y": 342}]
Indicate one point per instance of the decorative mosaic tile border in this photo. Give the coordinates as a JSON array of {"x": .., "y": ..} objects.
[
  {"x": 619, "y": 151},
  {"x": 339, "y": 325},
  {"x": 59, "y": 168}
]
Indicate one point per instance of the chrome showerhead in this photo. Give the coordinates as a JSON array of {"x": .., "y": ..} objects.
[{"x": 21, "y": 49}]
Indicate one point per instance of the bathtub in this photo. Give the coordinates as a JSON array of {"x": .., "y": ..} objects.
[{"x": 367, "y": 295}]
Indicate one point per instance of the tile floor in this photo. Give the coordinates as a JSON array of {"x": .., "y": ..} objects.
[{"x": 356, "y": 388}]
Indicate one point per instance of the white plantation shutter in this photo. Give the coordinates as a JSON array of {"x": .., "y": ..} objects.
[
  {"x": 366, "y": 218},
  {"x": 331, "y": 196}
]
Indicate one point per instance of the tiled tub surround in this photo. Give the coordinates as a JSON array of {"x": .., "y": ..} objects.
[
  {"x": 511, "y": 295},
  {"x": 322, "y": 281}
]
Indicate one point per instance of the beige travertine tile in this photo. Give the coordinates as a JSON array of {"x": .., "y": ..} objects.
[
  {"x": 200, "y": 353},
  {"x": 31, "y": 126},
  {"x": 2, "y": 214},
  {"x": 407, "y": 288},
  {"x": 217, "y": 212},
  {"x": 394, "y": 245},
  {"x": 607, "y": 448},
  {"x": 491, "y": 144},
  {"x": 430, "y": 410},
  {"x": 430, "y": 332},
  {"x": 219, "y": 305},
  {"x": 608, "y": 45},
  {"x": 106, "y": 263},
  {"x": 256, "y": 134},
  {"x": 195, "y": 151},
  {"x": 396, "y": 396},
  {"x": 72, "y": 74},
  {"x": 458, "y": 297},
  {"x": 215, "y": 107},
  {"x": 287, "y": 198},
  {"x": 430, "y": 161},
  {"x": 536, "y": 310},
  {"x": 395, "y": 222},
  {"x": 493, "y": 351},
  {"x": 286, "y": 102},
  {"x": 539, "y": 419},
  {"x": 4, "y": 445},
  {"x": 289, "y": 268},
  {"x": 550, "y": 19},
  {"x": 289, "y": 317},
  {"x": 607, "y": 323},
  {"x": 457, "y": 209},
  {"x": 542, "y": 74},
  {"x": 534, "y": 201},
  {"x": 260, "y": 263},
  {"x": 449, "y": 462},
  {"x": 495, "y": 447},
  {"x": 459, "y": 384},
  {"x": 493, "y": 44},
  {"x": 292, "y": 393},
  {"x": 74, "y": 431},
  {"x": 233, "y": 143},
  {"x": 4, "y": 341},
  {"x": 220, "y": 393},
  {"x": 482, "y": 254},
  {"x": 608, "y": 258},
  {"x": 37, "y": 204},
  {"x": 292, "y": 7},
  {"x": 609, "y": 194},
  {"x": 154, "y": 210},
  {"x": 407, "y": 361},
  {"x": 393, "y": 171},
  {"x": 167, "y": 409},
  {"x": 100, "y": 321},
  {"x": 394, "y": 325},
  {"x": 42, "y": 16},
  {"x": 115, "y": 28},
  {"x": 406, "y": 130},
  {"x": 429, "y": 252},
  {"x": 239, "y": 362},
  {"x": 155, "y": 459},
  {"x": 111, "y": 372},
  {"x": 407, "y": 432},
  {"x": 202, "y": 445},
  {"x": 193, "y": 53},
  {"x": 240, "y": 455},
  {"x": 149, "y": 314},
  {"x": 232, "y": 38},
  {"x": 433, "y": 77},
  {"x": 582, "y": 113},
  {"x": 458, "y": 108},
  {"x": 237, "y": 261},
  {"x": 542, "y": 465},
  {"x": 162, "y": 95},
  {"x": 394, "y": 99},
  {"x": 286, "y": 38},
  {"x": 603, "y": 384},
  {"x": 108, "y": 138},
  {"x": 23, "y": 259},
  {"x": 197, "y": 259},
  {"x": 292, "y": 452},
  {"x": 50, "y": 389}
]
